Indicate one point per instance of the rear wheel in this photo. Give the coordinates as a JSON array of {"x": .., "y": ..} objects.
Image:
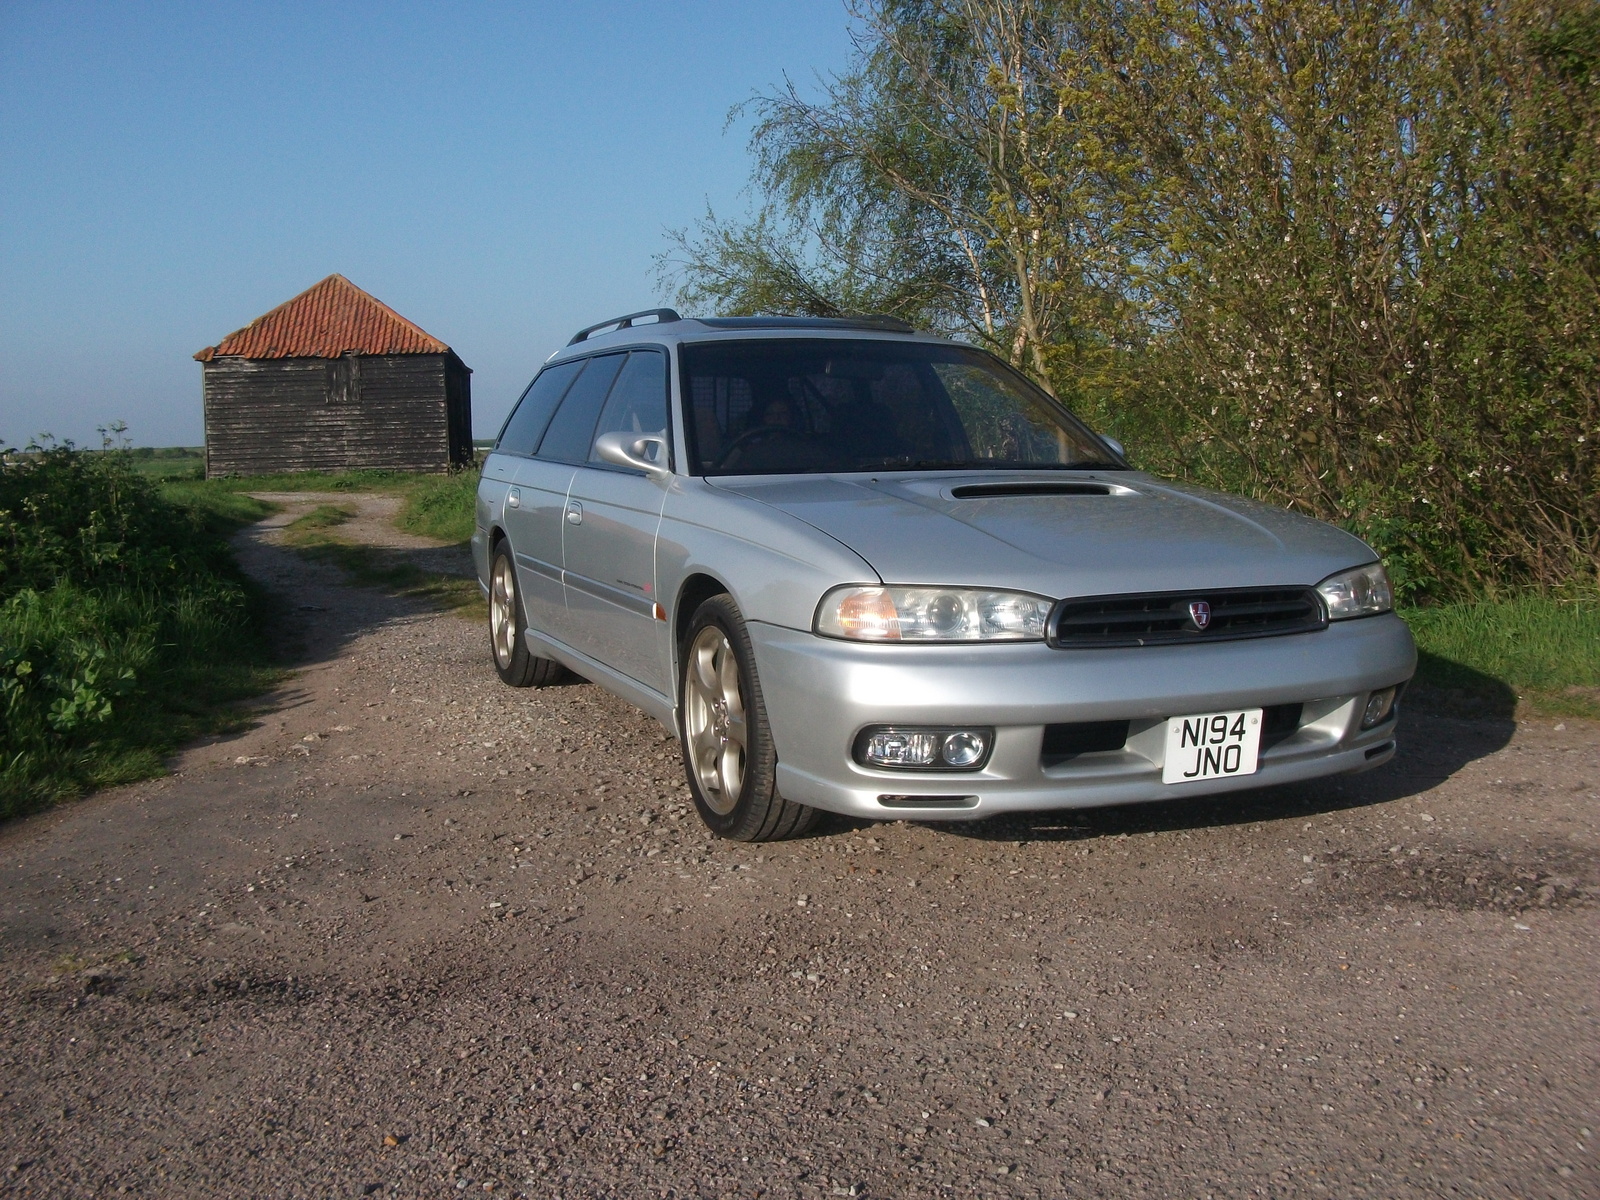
[
  {"x": 514, "y": 662},
  {"x": 727, "y": 744}
]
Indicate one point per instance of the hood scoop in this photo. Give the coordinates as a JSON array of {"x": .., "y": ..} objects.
[{"x": 1043, "y": 487}]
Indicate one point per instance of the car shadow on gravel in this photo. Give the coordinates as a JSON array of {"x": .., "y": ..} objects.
[{"x": 1432, "y": 749}]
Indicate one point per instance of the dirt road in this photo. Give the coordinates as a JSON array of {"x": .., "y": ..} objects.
[{"x": 417, "y": 934}]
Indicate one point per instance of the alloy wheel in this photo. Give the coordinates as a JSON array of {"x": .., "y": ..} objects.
[
  {"x": 503, "y": 612},
  {"x": 715, "y": 719}
]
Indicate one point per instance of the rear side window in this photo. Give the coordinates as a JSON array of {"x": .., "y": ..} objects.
[
  {"x": 532, "y": 414},
  {"x": 572, "y": 429},
  {"x": 638, "y": 402}
]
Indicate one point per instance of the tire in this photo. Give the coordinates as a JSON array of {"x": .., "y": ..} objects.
[
  {"x": 727, "y": 743},
  {"x": 513, "y": 661}
]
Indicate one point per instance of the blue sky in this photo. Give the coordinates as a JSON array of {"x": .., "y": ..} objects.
[{"x": 499, "y": 173}]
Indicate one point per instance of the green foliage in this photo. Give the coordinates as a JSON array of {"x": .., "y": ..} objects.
[
  {"x": 124, "y": 625},
  {"x": 1339, "y": 254},
  {"x": 441, "y": 507}
]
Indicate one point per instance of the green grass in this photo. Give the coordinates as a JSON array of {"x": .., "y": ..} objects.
[
  {"x": 432, "y": 506},
  {"x": 388, "y": 570},
  {"x": 324, "y": 481},
  {"x": 324, "y": 516},
  {"x": 224, "y": 510},
  {"x": 171, "y": 467},
  {"x": 441, "y": 507},
  {"x": 1543, "y": 650}
]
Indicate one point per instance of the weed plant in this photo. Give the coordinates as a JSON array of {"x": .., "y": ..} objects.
[{"x": 125, "y": 626}]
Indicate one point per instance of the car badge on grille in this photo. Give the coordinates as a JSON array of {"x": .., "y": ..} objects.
[{"x": 1199, "y": 613}]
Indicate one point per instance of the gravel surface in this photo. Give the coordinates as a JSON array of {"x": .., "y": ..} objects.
[{"x": 418, "y": 934}]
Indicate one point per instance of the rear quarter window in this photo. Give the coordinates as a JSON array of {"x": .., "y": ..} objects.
[{"x": 527, "y": 422}]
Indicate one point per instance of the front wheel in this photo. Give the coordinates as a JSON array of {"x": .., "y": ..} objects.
[
  {"x": 513, "y": 661},
  {"x": 727, "y": 744}
]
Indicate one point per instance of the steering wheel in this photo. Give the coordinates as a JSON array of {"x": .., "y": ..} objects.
[{"x": 751, "y": 437}]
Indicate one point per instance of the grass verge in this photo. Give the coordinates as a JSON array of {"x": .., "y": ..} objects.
[
  {"x": 1539, "y": 652},
  {"x": 441, "y": 507},
  {"x": 432, "y": 506}
]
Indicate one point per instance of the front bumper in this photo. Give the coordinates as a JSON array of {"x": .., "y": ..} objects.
[{"x": 820, "y": 693}]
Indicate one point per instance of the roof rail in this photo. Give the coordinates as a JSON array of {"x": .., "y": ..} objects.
[
  {"x": 868, "y": 321},
  {"x": 663, "y": 316}
]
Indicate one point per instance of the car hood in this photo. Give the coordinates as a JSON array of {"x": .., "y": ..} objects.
[{"x": 1121, "y": 532}]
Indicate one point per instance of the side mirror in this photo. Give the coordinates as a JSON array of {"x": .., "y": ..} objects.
[
  {"x": 1115, "y": 445},
  {"x": 638, "y": 452}
]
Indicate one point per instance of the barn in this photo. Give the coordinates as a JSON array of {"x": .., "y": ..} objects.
[{"x": 331, "y": 380}]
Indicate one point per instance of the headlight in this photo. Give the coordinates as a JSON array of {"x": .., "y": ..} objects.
[
  {"x": 1360, "y": 592},
  {"x": 926, "y": 614}
]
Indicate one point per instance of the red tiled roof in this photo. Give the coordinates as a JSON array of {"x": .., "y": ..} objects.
[{"x": 333, "y": 318}]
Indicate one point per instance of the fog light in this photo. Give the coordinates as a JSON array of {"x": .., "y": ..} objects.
[
  {"x": 1379, "y": 706},
  {"x": 963, "y": 749},
  {"x": 924, "y": 749}
]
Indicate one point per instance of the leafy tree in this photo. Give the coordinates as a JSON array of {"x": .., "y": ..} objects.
[{"x": 1344, "y": 254}]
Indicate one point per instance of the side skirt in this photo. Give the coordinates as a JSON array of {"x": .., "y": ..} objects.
[{"x": 626, "y": 687}]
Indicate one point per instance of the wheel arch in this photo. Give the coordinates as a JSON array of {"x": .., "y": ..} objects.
[{"x": 695, "y": 590}]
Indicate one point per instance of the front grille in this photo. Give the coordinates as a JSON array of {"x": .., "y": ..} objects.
[{"x": 1164, "y": 618}]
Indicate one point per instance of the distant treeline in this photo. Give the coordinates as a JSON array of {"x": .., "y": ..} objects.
[{"x": 1341, "y": 254}]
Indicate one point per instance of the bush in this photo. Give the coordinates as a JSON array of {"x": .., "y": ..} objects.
[{"x": 124, "y": 623}]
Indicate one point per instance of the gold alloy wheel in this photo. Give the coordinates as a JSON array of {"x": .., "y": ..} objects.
[
  {"x": 503, "y": 612},
  {"x": 715, "y": 719}
]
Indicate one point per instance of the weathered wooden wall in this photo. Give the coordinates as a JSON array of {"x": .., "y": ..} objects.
[
  {"x": 409, "y": 412},
  {"x": 458, "y": 399}
]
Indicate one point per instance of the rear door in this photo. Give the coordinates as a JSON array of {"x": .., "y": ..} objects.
[
  {"x": 609, "y": 554},
  {"x": 536, "y": 496}
]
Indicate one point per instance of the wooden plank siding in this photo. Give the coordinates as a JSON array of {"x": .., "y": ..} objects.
[{"x": 409, "y": 412}]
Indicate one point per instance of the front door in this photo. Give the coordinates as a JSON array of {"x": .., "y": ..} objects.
[{"x": 609, "y": 555}]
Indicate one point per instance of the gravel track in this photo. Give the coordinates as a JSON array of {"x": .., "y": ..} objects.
[{"x": 418, "y": 934}]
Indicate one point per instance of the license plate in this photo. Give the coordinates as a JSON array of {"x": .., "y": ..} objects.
[{"x": 1212, "y": 746}]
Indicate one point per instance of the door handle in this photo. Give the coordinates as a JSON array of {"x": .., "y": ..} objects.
[
  {"x": 574, "y": 513},
  {"x": 514, "y": 498}
]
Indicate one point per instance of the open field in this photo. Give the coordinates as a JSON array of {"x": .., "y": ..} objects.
[
  {"x": 414, "y": 933},
  {"x": 167, "y": 462}
]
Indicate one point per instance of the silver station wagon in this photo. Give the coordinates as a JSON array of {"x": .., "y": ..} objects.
[{"x": 858, "y": 569}]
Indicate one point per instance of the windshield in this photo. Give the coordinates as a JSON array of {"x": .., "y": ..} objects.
[{"x": 799, "y": 406}]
